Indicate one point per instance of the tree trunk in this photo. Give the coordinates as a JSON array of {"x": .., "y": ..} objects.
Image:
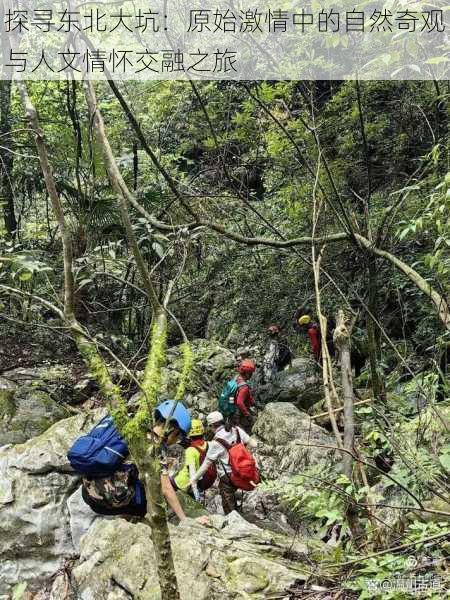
[
  {"x": 373, "y": 342},
  {"x": 341, "y": 339},
  {"x": 326, "y": 361},
  {"x": 145, "y": 455},
  {"x": 6, "y": 159},
  {"x": 148, "y": 464}
]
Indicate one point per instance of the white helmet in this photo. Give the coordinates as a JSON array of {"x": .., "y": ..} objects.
[{"x": 214, "y": 417}]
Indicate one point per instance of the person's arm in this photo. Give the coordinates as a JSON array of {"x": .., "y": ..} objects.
[
  {"x": 241, "y": 398},
  {"x": 252, "y": 443},
  {"x": 251, "y": 400},
  {"x": 201, "y": 471},
  {"x": 171, "y": 497}
]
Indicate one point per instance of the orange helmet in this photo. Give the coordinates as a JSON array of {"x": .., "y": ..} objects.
[{"x": 246, "y": 366}]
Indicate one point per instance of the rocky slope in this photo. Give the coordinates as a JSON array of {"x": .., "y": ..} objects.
[
  {"x": 44, "y": 522},
  {"x": 229, "y": 560}
]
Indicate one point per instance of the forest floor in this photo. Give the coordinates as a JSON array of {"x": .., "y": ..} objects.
[{"x": 22, "y": 348}]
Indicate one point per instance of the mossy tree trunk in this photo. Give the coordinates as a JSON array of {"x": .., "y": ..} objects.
[
  {"x": 148, "y": 464},
  {"x": 144, "y": 454},
  {"x": 135, "y": 430}
]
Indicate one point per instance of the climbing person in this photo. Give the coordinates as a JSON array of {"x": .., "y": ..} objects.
[
  {"x": 228, "y": 451},
  {"x": 194, "y": 456},
  {"x": 236, "y": 401},
  {"x": 110, "y": 483},
  {"x": 358, "y": 353},
  {"x": 313, "y": 333},
  {"x": 278, "y": 354},
  {"x": 305, "y": 323}
]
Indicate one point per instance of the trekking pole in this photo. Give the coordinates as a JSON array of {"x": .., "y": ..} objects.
[{"x": 194, "y": 485}]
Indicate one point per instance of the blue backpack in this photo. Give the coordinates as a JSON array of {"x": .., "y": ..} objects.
[
  {"x": 227, "y": 397},
  {"x": 100, "y": 452}
]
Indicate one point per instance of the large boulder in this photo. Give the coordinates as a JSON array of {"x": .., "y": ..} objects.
[
  {"x": 289, "y": 441},
  {"x": 298, "y": 384},
  {"x": 63, "y": 383},
  {"x": 25, "y": 411},
  {"x": 35, "y": 484},
  {"x": 233, "y": 559}
]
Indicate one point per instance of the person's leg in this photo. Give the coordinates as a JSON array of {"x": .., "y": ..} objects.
[
  {"x": 131, "y": 509},
  {"x": 245, "y": 423},
  {"x": 227, "y": 493}
]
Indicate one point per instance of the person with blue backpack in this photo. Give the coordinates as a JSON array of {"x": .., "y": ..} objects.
[
  {"x": 110, "y": 483},
  {"x": 236, "y": 402}
]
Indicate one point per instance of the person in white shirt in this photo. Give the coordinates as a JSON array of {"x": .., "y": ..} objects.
[{"x": 218, "y": 455}]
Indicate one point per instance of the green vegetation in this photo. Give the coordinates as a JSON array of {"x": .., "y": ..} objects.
[{"x": 205, "y": 212}]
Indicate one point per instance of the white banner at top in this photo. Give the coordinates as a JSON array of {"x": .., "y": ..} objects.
[{"x": 224, "y": 39}]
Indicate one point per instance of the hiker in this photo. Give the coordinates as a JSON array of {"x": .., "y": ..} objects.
[
  {"x": 236, "y": 467},
  {"x": 194, "y": 457},
  {"x": 358, "y": 353},
  {"x": 278, "y": 355},
  {"x": 111, "y": 484},
  {"x": 236, "y": 401},
  {"x": 305, "y": 323}
]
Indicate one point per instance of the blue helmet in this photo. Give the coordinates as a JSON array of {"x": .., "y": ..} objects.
[{"x": 180, "y": 414}]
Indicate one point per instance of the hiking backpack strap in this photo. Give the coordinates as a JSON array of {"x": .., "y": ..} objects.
[
  {"x": 223, "y": 443},
  {"x": 227, "y": 447},
  {"x": 242, "y": 384}
]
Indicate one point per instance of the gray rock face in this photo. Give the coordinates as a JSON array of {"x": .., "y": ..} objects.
[
  {"x": 25, "y": 411},
  {"x": 231, "y": 560},
  {"x": 264, "y": 508},
  {"x": 35, "y": 484},
  {"x": 288, "y": 441},
  {"x": 63, "y": 383},
  {"x": 298, "y": 384},
  {"x": 81, "y": 517},
  {"x": 43, "y": 520},
  {"x": 32, "y": 399}
]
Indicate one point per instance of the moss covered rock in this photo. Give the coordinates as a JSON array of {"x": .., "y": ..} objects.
[
  {"x": 299, "y": 384},
  {"x": 289, "y": 441},
  {"x": 25, "y": 411},
  {"x": 233, "y": 559},
  {"x": 35, "y": 483},
  {"x": 66, "y": 384}
]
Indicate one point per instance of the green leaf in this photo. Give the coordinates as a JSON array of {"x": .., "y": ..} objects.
[
  {"x": 25, "y": 276},
  {"x": 437, "y": 60},
  {"x": 444, "y": 459},
  {"x": 19, "y": 590},
  {"x": 158, "y": 249},
  {"x": 84, "y": 282}
]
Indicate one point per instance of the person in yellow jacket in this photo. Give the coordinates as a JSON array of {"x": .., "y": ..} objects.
[{"x": 194, "y": 456}]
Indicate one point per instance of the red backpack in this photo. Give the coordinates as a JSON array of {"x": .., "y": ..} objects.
[
  {"x": 210, "y": 476},
  {"x": 244, "y": 472}
]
